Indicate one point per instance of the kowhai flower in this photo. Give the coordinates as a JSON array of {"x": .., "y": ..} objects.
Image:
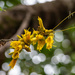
[{"x": 40, "y": 37}]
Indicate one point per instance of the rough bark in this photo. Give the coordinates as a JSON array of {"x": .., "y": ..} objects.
[{"x": 14, "y": 20}]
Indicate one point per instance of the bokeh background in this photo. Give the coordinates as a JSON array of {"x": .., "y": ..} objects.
[{"x": 60, "y": 60}]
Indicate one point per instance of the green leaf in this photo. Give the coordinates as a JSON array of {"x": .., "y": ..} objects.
[{"x": 1, "y": 9}]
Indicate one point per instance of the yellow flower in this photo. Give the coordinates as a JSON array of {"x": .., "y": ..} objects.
[
  {"x": 15, "y": 55},
  {"x": 48, "y": 32},
  {"x": 18, "y": 48},
  {"x": 49, "y": 46},
  {"x": 16, "y": 52},
  {"x": 11, "y": 53},
  {"x": 20, "y": 38},
  {"x": 40, "y": 37},
  {"x": 41, "y": 41},
  {"x": 41, "y": 24},
  {"x": 34, "y": 40},
  {"x": 42, "y": 30},
  {"x": 27, "y": 48},
  {"x": 40, "y": 45},
  {"x": 34, "y": 33},
  {"x": 12, "y": 63},
  {"x": 49, "y": 42},
  {"x": 37, "y": 38},
  {"x": 51, "y": 34},
  {"x": 14, "y": 44},
  {"x": 26, "y": 37}
]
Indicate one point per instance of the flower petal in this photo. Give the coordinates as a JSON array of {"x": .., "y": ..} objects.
[
  {"x": 40, "y": 45},
  {"x": 12, "y": 63}
]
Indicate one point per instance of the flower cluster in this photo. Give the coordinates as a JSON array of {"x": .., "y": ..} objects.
[{"x": 40, "y": 37}]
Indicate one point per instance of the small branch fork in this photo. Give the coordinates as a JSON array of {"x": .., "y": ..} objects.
[{"x": 3, "y": 41}]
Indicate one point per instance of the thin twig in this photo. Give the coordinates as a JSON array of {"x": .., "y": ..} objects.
[{"x": 6, "y": 40}]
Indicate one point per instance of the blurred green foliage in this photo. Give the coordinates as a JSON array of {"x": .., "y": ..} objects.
[
  {"x": 1, "y": 9},
  {"x": 14, "y": 2}
]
